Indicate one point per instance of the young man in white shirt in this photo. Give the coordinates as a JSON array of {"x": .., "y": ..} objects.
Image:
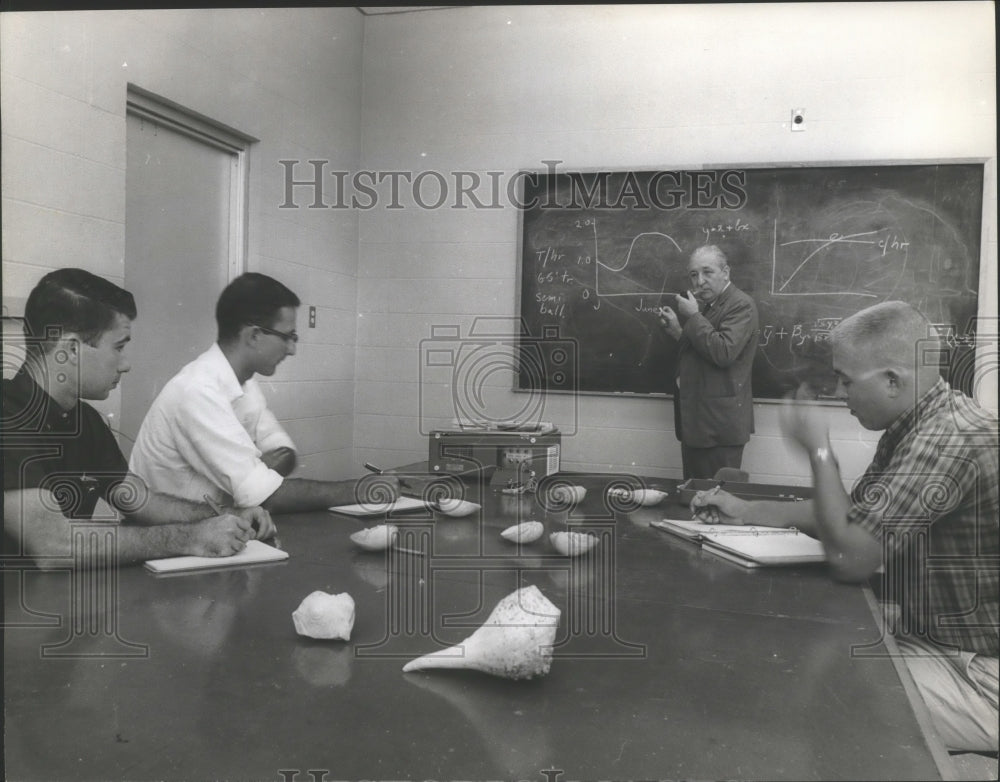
[{"x": 209, "y": 431}]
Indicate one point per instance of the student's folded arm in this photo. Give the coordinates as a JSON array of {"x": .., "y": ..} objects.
[
  {"x": 267, "y": 431},
  {"x": 282, "y": 460},
  {"x": 139, "y": 504},
  {"x": 302, "y": 494},
  {"x": 46, "y": 535},
  {"x": 852, "y": 552},
  {"x": 32, "y": 518},
  {"x": 213, "y": 441}
]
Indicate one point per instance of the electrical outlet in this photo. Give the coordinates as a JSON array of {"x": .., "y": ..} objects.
[
  {"x": 312, "y": 317},
  {"x": 798, "y": 119}
]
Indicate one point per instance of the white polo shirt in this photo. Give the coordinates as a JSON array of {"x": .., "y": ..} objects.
[{"x": 205, "y": 434}]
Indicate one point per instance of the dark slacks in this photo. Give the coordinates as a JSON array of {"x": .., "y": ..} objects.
[{"x": 705, "y": 462}]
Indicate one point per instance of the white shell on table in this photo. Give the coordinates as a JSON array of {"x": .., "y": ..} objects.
[
  {"x": 526, "y": 532},
  {"x": 321, "y": 615},
  {"x": 376, "y": 538},
  {"x": 643, "y": 497},
  {"x": 515, "y": 642},
  {"x": 456, "y": 507},
  {"x": 647, "y": 497},
  {"x": 569, "y": 493},
  {"x": 572, "y": 544}
]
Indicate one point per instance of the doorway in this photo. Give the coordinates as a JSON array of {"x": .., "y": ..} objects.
[{"x": 185, "y": 239}]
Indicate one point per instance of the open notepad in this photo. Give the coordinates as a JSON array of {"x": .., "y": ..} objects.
[
  {"x": 376, "y": 508},
  {"x": 748, "y": 546},
  {"x": 256, "y": 551}
]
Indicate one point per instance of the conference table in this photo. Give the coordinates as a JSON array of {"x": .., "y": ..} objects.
[{"x": 669, "y": 662}]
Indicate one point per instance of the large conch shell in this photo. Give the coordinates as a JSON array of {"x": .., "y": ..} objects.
[
  {"x": 515, "y": 642},
  {"x": 525, "y": 532}
]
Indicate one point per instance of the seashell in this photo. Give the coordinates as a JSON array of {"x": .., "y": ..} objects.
[
  {"x": 526, "y": 532},
  {"x": 572, "y": 544},
  {"x": 647, "y": 497},
  {"x": 515, "y": 642},
  {"x": 456, "y": 507},
  {"x": 569, "y": 494},
  {"x": 321, "y": 615},
  {"x": 376, "y": 538},
  {"x": 640, "y": 497}
]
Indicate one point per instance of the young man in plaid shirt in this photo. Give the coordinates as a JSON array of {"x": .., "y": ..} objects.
[{"x": 926, "y": 508}]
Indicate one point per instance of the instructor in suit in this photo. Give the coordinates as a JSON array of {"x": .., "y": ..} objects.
[{"x": 716, "y": 328}]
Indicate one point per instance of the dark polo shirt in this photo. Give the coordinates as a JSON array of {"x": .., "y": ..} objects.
[{"x": 71, "y": 453}]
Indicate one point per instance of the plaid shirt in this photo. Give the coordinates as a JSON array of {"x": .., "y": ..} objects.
[{"x": 930, "y": 497}]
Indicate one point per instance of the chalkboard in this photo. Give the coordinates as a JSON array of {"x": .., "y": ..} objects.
[{"x": 600, "y": 251}]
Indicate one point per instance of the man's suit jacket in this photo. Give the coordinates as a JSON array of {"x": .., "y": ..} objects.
[{"x": 714, "y": 403}]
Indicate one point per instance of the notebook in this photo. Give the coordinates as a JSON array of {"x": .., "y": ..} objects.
[
  {"x": 748, "y": 546},
  {"x": 256, "y": 551},
  {"x": 795, "y": 548},
  {"x": 376, "y": 508}
]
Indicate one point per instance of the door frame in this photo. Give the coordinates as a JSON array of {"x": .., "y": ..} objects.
[{"x": 158, "y": 110}]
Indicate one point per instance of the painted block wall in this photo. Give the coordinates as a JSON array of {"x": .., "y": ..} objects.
[
  {"x": 482, "y": 90},
  {"x": 498, "y": 89},
  {"x": 288, "y": 77}
]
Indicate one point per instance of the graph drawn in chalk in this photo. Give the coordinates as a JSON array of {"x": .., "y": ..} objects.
[
  {"x": 850, "y": 264},
  {"x": 653, "y": 245}
]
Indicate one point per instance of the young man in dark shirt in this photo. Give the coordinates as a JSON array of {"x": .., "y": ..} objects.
[{"x": 61, "y": 462}]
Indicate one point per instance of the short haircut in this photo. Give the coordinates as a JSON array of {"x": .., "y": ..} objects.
[
  {"x": 73, "y": 301},
  {"x": 712, "y": 251},
  {"x": 888, "y": 333},
  {"x": 252, "y": 299}
]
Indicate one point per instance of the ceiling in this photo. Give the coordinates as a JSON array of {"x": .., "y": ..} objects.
[{"x": 371, "y": 10}]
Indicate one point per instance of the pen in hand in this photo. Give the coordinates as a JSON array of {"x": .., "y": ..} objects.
[
  {"x": 708, "y": 514},
  {"x": 218, "y": 511},
  {"x": 216, "y": 508}
]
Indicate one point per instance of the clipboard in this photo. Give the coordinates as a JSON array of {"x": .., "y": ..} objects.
[{"x": 256, "y": 551}]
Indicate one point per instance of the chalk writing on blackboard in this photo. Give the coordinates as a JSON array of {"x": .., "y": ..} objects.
[{"x": 810, "y": 245}]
